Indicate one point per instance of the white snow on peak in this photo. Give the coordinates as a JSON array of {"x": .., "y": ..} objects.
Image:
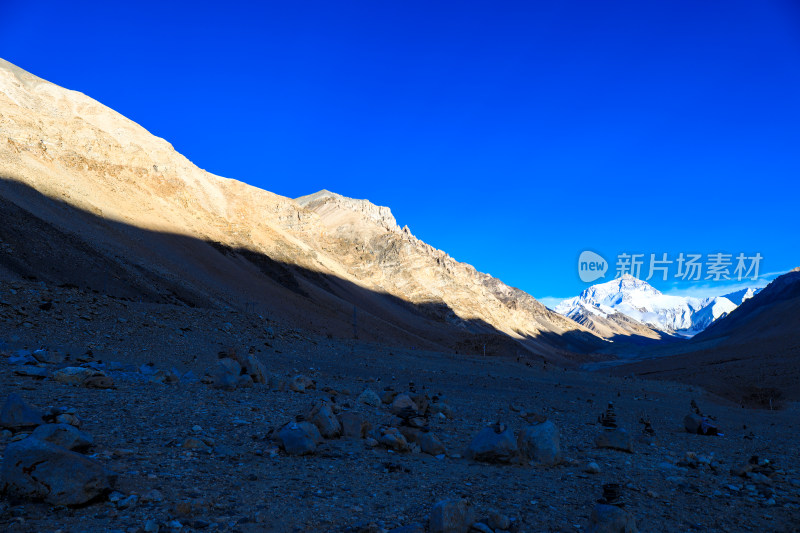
[{"x": 680, "y": 315}]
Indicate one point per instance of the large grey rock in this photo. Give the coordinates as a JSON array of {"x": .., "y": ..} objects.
[
  {"x": 37, "y": 469},
  {"x": 451, "y": 516},
  {"x": 48, "y": 357},
  {"x": 430, "y": 443},
  {"x": 493, "y": 445},
  {"x": 16, "y": 414},
  {"x": 322, "y": 416},
  {"x": 299, "y": 438},
  {"x": 256, "y": 369},
  {"x": 611, "y": 519},
  {"x": 700, "y": 425},
  {"x": 63, "y": 435},
  {"x": 617, "y": 439},
  {"x": 540, "y": 443},
  {"x": 301, "y": 383},
  {"x": 393, "y": 439},
  {"x": 369, "y": 397},
  {"x": 225, "y": 374},
  {"x": 353, "y": 425},
  {"x": 73, "y": 375},
  {"x": 402, "y": 402}
]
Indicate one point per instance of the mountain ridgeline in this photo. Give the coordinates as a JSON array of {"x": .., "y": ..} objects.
[{"x": 132, "y": 217}]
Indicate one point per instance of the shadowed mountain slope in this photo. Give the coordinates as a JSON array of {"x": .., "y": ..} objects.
[
  {"x": 751, "y": 356},
  {"x": 90, "y": 197}
]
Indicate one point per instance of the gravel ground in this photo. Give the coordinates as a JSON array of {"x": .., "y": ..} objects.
[{"x": 238, "y": 480}]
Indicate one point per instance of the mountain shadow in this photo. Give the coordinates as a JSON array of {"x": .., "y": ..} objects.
[{"x": 48, "y": 240}]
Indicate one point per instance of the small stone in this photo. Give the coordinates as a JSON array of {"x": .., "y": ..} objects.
[
  {"x": 301, "y": 383},
  {"x": 151, "y": 526},
  {"x": 451, "y": 516},
  {"x": 592, "y": 468},
  {"x": 480, "y": 527},
  {"x": 193, "y": 443},
  {"x": 153, "y": 496},
  {"x": 369, "y": 442},
  {"x": 498, "y": 520},
  {"x": 611, "y": 519}
]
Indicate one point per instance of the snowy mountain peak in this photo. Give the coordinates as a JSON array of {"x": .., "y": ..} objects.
[{"x": 640, "y": 301}]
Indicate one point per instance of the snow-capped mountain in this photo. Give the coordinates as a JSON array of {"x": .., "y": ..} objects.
[{"x": 637, "y": 299}]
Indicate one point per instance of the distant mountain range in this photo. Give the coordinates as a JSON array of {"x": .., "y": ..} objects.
[{"x": 630, "y": 306}]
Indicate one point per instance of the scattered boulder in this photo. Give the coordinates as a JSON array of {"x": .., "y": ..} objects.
[
  {"x": 498, "y": 520},
  {"x": 298, "y": 438},
  {"x": 63, "y": 435},
  {"x": 98, "y": 381},
  {"x": 37, "y": 469},
  {"x": 394, "y": 440},
  {"x": 592, "y": 468},
  {"x": 73, "y": 375},
  {"x": 225, "y": 374},
  {"x": 403, "y": 403},
  {"x": 388, "y": 395},
  {"x": 15, "y": 414},
  {"x": 451, "y": 516},
  {"x": 494, "y": 444},
  {"x": 540, "y": 443},
  {"x": 322, "y": 416},
  {"x": 193, "y": 443},
  {"x": 353, "y": 425},
  {"x": 244, "y": 381},
  {"x": 301, "y": 383},
  {"x": 369, "y": 397},
  {"x": 440, "y": 407},
  {"x": 430, "y": 444},
  {"x": 48, "y": 357},
  {"x": 616, "y": 439},
  {"x": 35, "y": 372},
  {"x": 700, "y": 425},
  {"x": 611, "y": 519},
  {"x": 256, "y": 369}
]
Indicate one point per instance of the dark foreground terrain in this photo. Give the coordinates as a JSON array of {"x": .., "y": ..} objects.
[{"x": 190, "y": 456}]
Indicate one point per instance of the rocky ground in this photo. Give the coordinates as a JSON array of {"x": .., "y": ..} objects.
[{"x": 193, "y": 448}]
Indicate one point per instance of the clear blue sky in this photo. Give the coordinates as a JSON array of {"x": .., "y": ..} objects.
[{"x": 513, "y": 135}]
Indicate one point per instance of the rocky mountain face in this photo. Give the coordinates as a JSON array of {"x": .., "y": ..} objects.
[
  {"x": 128, "y": 215},
  {"x": 752, "y": 355},
  {"x": 641, "y": 303}
]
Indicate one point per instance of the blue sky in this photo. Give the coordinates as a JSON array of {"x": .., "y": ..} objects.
[{"x": 513, "y": 135}]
